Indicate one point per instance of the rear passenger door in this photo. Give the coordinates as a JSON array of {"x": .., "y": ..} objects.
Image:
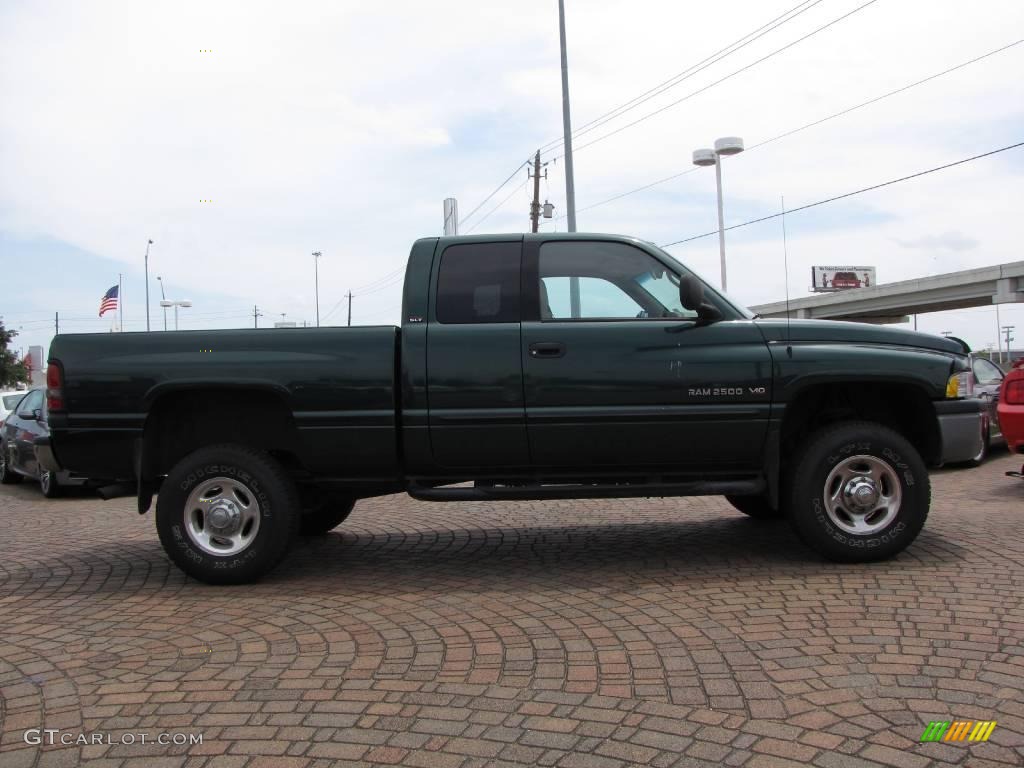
[{"x": 474, "y": 365}]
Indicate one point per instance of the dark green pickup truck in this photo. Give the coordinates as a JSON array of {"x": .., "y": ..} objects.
[{"x": 526, "y": 367}]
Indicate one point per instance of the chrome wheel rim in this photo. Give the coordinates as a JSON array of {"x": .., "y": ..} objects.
[
  {"x": 222, "y": 516},
  {"x": 44, "y": 481},
  {"x": 862, "y": 495}
]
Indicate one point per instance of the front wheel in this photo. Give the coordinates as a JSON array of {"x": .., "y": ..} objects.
[
  {"x": 860, "y": 492},
  {"x": 227, "y": 514}
]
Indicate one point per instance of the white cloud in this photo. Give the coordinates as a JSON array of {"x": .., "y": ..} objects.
[{"x": 340, "y": 126}]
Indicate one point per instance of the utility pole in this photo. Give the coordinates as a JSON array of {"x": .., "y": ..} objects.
[
  {"x": 350, "y": 308},
  {"x": 535, "y": 205},
  {"x": 1008, "y": 332},
  {"x": 570, "y": 184},
  {"x": 56, "y": 323},
  {"x": 120, "y": 304},
  {"x": 256, "y": 315}
]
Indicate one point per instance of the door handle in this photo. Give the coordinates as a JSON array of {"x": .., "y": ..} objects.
[{"x": 547, "y": 349}]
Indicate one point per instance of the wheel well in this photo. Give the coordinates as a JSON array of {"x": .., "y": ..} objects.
[
  {"x": 902, "y": 407},
  {"x": 182, "y": 422}
]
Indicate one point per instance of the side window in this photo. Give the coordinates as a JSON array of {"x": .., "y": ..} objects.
[
  {"x": 589, "y": 280},
  {"x": 479, "y": 283},
  {"x": 31, "y": 402},
  {"x": 986, "y": 373}
]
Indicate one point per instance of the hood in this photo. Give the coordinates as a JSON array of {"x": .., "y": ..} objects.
[{"x": 839, "y": 331}]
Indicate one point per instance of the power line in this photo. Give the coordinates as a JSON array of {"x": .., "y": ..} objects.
[
  {"x": 494, "y": 209},
  {"x": 496, "y": 191},
  {"x": 689, "y": 72},
  {"x": 721, "y": 80},
  {"x": 814, "y": 123},
  {"x": 849, "y": 194}
]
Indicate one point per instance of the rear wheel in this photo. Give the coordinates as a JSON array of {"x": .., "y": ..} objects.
[
  {"x": 49, "y": 485},
  {"x": 227, "y": 514},
  {"x": 757, "y": 507},
  {"x": 860, "y": 492},
  {"x": 7, "y": 475}
]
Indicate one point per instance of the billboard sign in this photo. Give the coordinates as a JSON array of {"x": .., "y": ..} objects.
[{"x": 841, "y": 278}]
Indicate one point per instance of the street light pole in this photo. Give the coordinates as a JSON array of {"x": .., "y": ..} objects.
[
  {"x": 316, "y": 283},
  {"x": 721, "y": 222},
  {"x": 163, "y": 298},
  {"x": 180, "y": 303},
  {"x": 730, "y": 145},
  {"x": 570, "y": 183},
  {"x": 148, "y": 243}
]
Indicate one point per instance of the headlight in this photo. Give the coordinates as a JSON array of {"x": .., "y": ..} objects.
[{"x": 958, "y": 385}]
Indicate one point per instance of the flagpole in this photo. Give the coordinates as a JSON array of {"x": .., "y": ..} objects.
[{"x": 120, "y": 305}]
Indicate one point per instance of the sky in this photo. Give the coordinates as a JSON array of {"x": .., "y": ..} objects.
[{"x": 241, "y": 137}]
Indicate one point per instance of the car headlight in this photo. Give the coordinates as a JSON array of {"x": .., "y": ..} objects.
[{"x": 958, "y": 385}]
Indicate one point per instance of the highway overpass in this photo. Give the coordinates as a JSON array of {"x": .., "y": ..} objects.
[{"x": 893, "y": 302}]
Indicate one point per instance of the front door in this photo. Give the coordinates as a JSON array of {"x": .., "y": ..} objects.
[
  {"x": 474, "y": 368},
  {"x": 618, "y": 374},
  {"x": 27, "y": 430}
]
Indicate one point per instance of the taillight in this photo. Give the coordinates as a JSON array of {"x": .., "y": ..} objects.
[
  {"x": 54, "y": 388},
  {"x": 1014, "y": 392}
]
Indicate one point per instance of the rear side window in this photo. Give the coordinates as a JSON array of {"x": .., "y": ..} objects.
[{"x": 479, "y": 283}]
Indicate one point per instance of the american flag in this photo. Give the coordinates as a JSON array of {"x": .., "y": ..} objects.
[{"x": 109, "y": 300}]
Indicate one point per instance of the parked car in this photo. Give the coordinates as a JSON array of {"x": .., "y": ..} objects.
[
  {"x": 985, "y": 381},
  {"x": 18, "y": 458},
  {"x": 9, "y": 400},
  {"x": 1011, "y": 410},
  {"x": 546, "y": 366}
]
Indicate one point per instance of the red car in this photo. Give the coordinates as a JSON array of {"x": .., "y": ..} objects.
[{"x": 1011, "y": 410}]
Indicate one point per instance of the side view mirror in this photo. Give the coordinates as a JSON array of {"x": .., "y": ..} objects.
[
  {"x": 36, "y": 415},
  {"x": 691, "y": 295}
]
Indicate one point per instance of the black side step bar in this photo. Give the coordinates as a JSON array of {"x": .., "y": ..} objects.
[{"x": 747, "y": 487}]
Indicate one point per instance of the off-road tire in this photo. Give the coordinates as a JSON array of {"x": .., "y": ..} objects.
[
  {"x": 757, "y": 507},
  {"x": 263, "y": 478},
  {"x": 826, "y": 450}
]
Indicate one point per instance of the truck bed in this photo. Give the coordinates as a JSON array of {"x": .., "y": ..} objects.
[{"x": 338, "y": 384}]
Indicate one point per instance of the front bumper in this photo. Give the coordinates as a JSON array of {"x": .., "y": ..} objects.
[{"x": 961, "y": 428}]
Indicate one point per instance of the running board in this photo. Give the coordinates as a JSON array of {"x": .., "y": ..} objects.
[{"x": 536, "y": 491}]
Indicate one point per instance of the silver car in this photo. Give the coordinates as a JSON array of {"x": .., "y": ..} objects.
[{"x": 984, "y": 382}]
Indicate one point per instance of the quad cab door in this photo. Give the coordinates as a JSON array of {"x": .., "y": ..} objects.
[
  {"x": 618, "y": 374},
  {"x": 474, "y": 366}
]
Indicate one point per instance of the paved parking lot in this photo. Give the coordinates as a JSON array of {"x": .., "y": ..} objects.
[{"x": 598, "y": 633}]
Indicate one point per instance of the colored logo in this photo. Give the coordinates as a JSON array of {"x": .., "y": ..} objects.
[{"x": 959, "y": 730}]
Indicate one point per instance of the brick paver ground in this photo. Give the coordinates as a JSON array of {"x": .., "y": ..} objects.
[{"x": 666, "y": 632}]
